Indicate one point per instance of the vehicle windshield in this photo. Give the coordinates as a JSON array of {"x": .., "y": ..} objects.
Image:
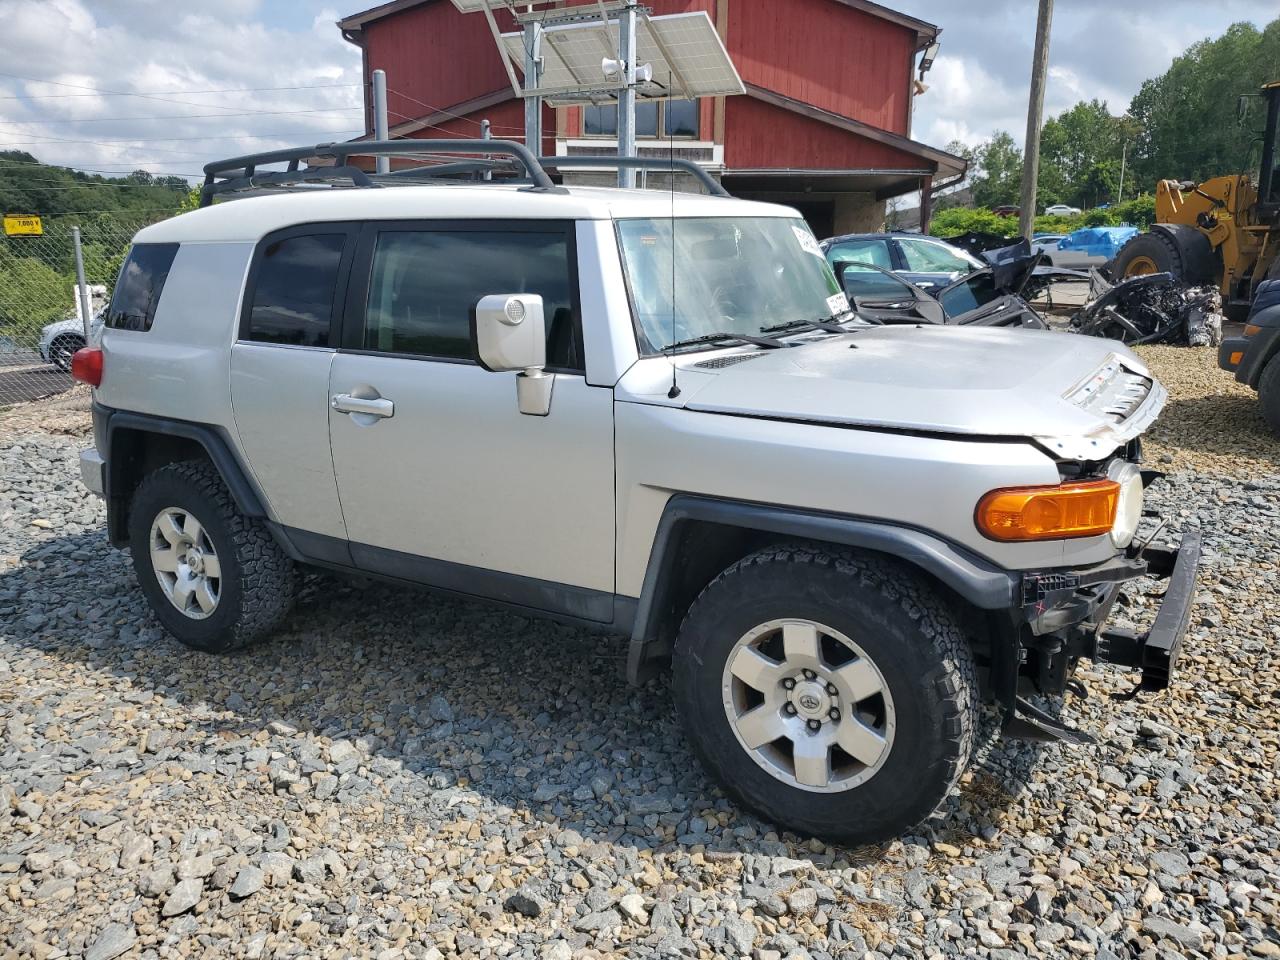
[{"x": 729, "y": 275}]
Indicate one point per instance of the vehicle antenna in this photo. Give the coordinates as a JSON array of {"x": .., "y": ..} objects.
[{"x": 671, "y": 164}]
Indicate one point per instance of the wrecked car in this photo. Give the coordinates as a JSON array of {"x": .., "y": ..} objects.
[
  {"x": 839, "y": 538},
  {"x": 927, "y": 262},
  {"x": 988, "y": 297},
  {"x": 1150, "y": 308}
]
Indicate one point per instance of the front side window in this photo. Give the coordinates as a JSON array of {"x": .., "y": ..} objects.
[
  {"x": 695, "y": 276},
  {"x": 294, "y": 290},
  {"x": 862, "y": 281},
  {"x": 424, "y": 285},
  {"x": 137, "y": 292},
  {"x": 925, "y": 257}
]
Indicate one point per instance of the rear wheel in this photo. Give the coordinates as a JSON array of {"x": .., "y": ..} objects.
[
  {"x": 1269, "y": 394},
  {"x": 829, "y": 691},
  {"x": 216, "y": 579}
]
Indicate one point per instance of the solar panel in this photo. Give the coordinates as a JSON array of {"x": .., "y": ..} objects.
[{"x": 688, "y": 58}]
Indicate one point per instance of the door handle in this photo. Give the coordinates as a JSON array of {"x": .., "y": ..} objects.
[{"x": 346, "y": 403}]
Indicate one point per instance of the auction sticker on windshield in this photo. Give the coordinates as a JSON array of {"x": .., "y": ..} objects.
[
  {"x": 837, "y": 303},
  {"x": 807, "y": 242}
]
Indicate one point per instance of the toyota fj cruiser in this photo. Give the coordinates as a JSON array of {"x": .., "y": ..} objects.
[{"x": 650, "y": 414}]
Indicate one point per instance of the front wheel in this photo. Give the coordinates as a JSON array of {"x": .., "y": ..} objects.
[
  {"x": 1269, "y": 394},
  {"x": 828, "y": 691}
]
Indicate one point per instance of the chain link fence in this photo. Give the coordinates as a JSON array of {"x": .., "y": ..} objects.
[{"x": 40, "y": 319}]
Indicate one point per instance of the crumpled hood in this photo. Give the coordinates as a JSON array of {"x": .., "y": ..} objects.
[{"x": 1078, "y": 396}]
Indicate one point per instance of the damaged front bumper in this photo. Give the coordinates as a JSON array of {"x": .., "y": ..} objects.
[{"x": 1064, "y": 617}]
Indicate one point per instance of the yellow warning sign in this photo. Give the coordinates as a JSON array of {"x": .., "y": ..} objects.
[{"x": 23, "y": 226}]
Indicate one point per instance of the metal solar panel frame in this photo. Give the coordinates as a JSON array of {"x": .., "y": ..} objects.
[{"x": 569, "y": 80}]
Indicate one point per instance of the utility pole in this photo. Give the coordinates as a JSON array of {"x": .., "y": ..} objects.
[
  {"x": 382, "y": 161},
  {"x": 1035, "y": 112},
  {"x": 532, "y": 79},
  {"x": 627, "y": 95},
  {"x": 1124, "y": 155},
  {"x": 82, "y": 288}
]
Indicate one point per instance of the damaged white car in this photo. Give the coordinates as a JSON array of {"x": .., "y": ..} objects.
[{"x": 654, "y": 416}]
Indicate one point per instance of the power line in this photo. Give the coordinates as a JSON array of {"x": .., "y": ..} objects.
[
  {"x": 66, "y": 96},
  {"x": 224, "y": 136},
  {"x": 120, "y": 93},
  {"x": 441, "y": 110},
  {"x": 186, "y": 116},
  {"x": 132, "y": 165}
]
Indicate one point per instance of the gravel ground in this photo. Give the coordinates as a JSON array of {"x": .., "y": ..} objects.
[{"x": 399, "y": 775}]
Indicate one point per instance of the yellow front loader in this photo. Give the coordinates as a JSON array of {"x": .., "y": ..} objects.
[{"x": 1225, "y": 231}]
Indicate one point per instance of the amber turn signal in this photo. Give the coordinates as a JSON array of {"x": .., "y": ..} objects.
[
  {"x": 1049, "y": 513},
  {"x": 1252, "y": 329}
]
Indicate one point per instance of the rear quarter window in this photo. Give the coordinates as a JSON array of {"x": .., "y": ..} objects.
[{"x": 138, "y": 288}]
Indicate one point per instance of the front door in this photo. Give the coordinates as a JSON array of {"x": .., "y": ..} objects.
[{"x": 440, "y": 477}]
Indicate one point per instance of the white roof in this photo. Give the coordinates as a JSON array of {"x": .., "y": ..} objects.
[{"x": 250, "y": 218}]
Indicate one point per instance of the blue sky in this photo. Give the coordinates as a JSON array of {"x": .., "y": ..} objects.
[{"x": 202, "y": 69}]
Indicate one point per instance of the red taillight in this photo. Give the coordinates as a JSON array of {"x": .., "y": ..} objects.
[{"x": 86, "y": 366}]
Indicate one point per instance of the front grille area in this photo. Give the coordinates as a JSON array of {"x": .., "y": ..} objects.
[{"x": 1113, "y": 391}]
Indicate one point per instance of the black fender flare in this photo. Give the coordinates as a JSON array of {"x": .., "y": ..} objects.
[
  {"x": 211, "y": 438},
  {"x": 1196, "y": 252},
  {"x": 978, "y": 581}
]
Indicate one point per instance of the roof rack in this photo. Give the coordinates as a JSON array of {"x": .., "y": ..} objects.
[
  {"x": 640, "y": 163},
  {"x": 240, "y": 173},
  {"x": 512, "y": 159}
]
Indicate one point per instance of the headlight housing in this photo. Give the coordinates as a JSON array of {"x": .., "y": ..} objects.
[{"x": 1129, "y": 507}]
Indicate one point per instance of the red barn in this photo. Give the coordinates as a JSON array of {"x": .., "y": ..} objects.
[{"x": 825, "y": 124}]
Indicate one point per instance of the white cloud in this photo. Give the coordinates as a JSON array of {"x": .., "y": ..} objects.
[
  {"x": 171, "y": 56},
  {"x": 1097, "y": 50}
]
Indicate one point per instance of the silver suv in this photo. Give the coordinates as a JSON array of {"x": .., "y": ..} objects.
[{"x": 653, "y": 415}]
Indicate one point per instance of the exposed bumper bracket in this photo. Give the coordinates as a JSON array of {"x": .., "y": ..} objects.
[{"x": 1156, "y": 652}]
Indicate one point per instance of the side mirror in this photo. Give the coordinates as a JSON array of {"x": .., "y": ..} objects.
[{"x": 508, "y": 332}]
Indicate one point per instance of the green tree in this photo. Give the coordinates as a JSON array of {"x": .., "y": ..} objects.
[
  {"x": 998, "y": 176},
  {"x": 1187, "y": 117}
]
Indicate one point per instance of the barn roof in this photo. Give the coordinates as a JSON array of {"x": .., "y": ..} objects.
[{"x": 925, "y": 32}]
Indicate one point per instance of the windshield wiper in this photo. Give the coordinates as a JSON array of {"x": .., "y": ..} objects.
[
  {"x": 829, "y": 324},
  {"x": 723, "y": 337}
]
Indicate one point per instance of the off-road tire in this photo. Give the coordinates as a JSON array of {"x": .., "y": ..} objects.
[
  {"x": 1269, "y": 394},
  {"x": 1161, "y": 249},
  {"x": 258, "y": 580},
  {"x": 901, "y": 623}
]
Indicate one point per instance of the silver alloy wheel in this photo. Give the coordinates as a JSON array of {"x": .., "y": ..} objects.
[
  {"x": 185, "y": 562},
  {"x": 808, "y": 705}
]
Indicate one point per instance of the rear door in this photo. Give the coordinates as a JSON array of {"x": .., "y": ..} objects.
[
  {"x": 280, "y": 377},
  {"x": 441, "y": 478},
  {"x": 930, "y": 264}
]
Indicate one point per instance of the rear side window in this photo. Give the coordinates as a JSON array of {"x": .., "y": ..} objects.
[
  {"x": 142, "y": 277},
  {"x": 875, "y": 252},
  {"x": 424, "y": 284},
  {"x": 294, "y": 289}
]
